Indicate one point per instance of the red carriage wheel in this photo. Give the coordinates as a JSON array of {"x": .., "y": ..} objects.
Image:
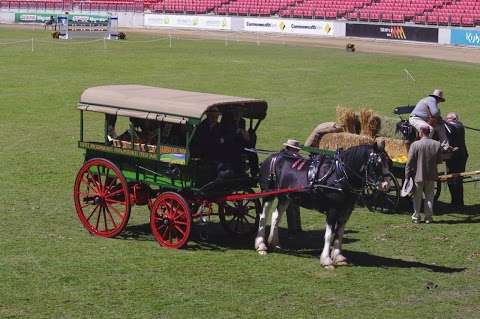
[
  {"x": 240, "y": 218},
  {"x": 101, "y": 198},
  {"x": 170, "y": 220}
]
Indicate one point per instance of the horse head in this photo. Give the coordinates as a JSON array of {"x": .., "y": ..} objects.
[
  {"x": 378, "y": 167},
  {"x": 368, "y": 165}
]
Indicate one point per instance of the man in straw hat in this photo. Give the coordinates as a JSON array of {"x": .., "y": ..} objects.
[
  {"x": 423, "y": 157},
  {"x": 427, "y": 113},
  {"x": 292, "y": 147}
]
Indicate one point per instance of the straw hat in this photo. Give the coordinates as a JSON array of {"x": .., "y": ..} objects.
[
  {"x": 408, "y": 187},
  {"x": 438, "y": 94},
  {"x": 292, "y": 144}
]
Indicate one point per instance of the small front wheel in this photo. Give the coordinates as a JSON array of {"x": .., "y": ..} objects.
[
  {"x": 170, "y": 220},
  {"x": 240, "y": 218}
]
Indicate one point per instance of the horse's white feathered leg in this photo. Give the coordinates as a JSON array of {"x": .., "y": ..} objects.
[
  {"x": 325, "y": 259},
  {"x": 260, "y": 245},
  {"x": 273, "y": 240},
  {"x": 337, "y": 257}
]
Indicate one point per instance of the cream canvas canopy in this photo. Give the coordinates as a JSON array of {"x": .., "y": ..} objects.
[{"x": 164, "y": 104}]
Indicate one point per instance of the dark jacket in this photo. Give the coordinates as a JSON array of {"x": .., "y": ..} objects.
[{"x": 456, "y": 138}]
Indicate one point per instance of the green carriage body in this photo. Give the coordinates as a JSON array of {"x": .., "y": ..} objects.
[
  {"x": 168, "y": 167},
  {"x": 119, "y": 173}
]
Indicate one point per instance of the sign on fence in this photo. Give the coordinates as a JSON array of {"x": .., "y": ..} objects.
[
  {"x": 307, "y": 27},
  {"x": 186, "y": 21},
  {"x": 394, "y": 32},
  {"x": 465, "y": 37},
  {"x": 44, "y": 17}
]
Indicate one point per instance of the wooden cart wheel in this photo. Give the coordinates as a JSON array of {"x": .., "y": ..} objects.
[
  {"x": 385, "y": 202},
  {"x": 240, "y": 218},
  {"x": 170, "y": 220},
  {"x": 101, "y": 198}
]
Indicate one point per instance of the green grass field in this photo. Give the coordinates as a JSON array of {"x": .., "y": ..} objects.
[{"x": 50, "y": 267}]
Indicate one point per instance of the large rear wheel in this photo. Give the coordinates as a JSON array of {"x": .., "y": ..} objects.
[
  {"x": 101, "y": 198},
  {"x": 386, "y": 202},
  {"x": 170, "y": 220}
]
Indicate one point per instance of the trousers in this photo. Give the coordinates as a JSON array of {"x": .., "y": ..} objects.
[{"x": 423, "y": 189}]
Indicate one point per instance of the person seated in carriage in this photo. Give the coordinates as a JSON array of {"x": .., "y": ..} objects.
[{"x": 427, "y": 113}]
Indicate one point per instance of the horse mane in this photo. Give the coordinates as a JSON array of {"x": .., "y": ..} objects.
[{"x": 355, "y": 156}]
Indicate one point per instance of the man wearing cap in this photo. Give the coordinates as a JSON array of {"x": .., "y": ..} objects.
[
  {"x": 427, "y": 113},
  {"x": 292, "y": 147},
  {"x": 458, "y": 161},
  {"x": 423, "y": 157}
]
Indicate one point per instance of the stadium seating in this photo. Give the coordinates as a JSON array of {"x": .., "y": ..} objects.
[
  {"x": 322, "y": 9},
  {"x": 430, "y": 12}
]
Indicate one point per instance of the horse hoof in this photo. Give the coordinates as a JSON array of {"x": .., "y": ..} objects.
[
  {"x": 326, "y": 262},
  {"x": 262, "y": 252},
  {"x": 341, "y": 263},
  {"x": 330, "y": 267},
  {"x": 277, "y": 248},
  {"x": 340, "y": 260}
]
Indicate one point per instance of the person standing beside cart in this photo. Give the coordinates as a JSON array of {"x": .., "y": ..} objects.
[
  {"x": 423, "y": 157},
  {"x": 427, "y": 113},
  {"x": 458, "y": 161}
]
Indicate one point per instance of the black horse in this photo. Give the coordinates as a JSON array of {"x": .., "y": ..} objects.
[{"x": 326, "y": 184}]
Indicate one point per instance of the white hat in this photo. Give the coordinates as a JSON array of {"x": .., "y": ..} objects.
[
  {"x": 293, "y": 144},
  {"x": 438, "y": 94},
  {"x": 408, "y": 188}
]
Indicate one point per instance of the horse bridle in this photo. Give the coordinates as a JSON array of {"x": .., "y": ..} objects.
[{"x": 369, "y": 179}]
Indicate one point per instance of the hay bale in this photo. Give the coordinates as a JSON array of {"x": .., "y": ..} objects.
[
  {"x": 346, "y": 118},
  {"x": 319, "y": 131},
  {"x": 395, "y": 148},
  {"x": 370, "y": 123},
  {"x": 332, "y": 141}
]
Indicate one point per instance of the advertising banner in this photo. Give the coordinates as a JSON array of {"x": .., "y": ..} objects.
[
  {"x": 465, "y": 37},
  {"x": 287, "y": 26},
  {"x": 393, "y": 32},
  {"x": 44, "y": 17},
  {"x": 185, "y": 21}
]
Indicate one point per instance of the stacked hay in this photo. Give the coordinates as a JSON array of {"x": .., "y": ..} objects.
[
  {"x": 397, "y": 149},
  {"x": 346, "y": 118},
  {"x": 370, "y": 124},
  {"x": 332, "y": 141}
]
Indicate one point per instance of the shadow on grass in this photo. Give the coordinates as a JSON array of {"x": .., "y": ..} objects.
[
  {"x": 307, "y": 244},
  {"x": 363, "y": 259}
]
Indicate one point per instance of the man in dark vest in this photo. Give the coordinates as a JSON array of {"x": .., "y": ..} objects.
[{"x": 458, "y": 161}]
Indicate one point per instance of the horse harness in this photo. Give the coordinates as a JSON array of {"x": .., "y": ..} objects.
[{"x": 319, "y": 183}]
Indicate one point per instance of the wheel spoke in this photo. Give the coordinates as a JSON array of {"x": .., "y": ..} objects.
[
  {"x": 98, "y": 219},
  {"x": 116, "y": 211},
  {"x": 111, "y": 217},
  {"x": 92, "y": 212},
  {"x": 99, "y": 178},
  {"x": 92, "y": 177},
  {"x": 118, "y": 191},
  {"x": 105, "y": 226},
  {"x": 182, "y": 232},
  {"x": 112, "y": 202},
  {"x": 88, "y": 184}
]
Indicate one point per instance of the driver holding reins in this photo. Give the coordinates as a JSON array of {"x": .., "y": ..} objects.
[{"x": 427, "y": 113}]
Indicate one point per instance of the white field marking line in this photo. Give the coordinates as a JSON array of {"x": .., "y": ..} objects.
[
  {"x": 139, "y": 41},
  {"x": 15, "y": 42}
]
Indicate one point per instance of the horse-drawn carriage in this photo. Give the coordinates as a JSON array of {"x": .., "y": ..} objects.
[{"x": 121, "y": 171}]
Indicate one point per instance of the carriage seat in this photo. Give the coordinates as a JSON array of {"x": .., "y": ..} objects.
[{"x": 401, "y": 110}]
